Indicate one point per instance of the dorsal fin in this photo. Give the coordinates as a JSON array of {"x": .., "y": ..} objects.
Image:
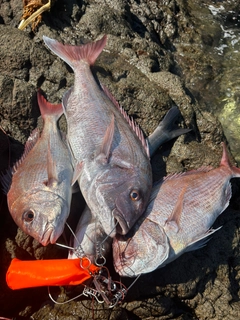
[
  {"x": 32, "y": 140},
  {"x": 129, "y": 120},
  {"x": 203, "y": 169},
  {"x": 6, "y": 178},
  {"x": 155, "y": 190}
]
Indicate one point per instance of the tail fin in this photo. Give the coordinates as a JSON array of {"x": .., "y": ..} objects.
[
  {"x": 73, "y": 54},
  {"x": 48, "y": 109},
  {"x": 165, "y": 131},
  {"x": 226, "y": 163}
]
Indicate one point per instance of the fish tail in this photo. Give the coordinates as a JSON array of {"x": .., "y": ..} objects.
[
  {"x": 166, "y": 130},
  {"x": 47, "y": 108},
  {"x": 225, "y": 162},
  {"x": 73, "y": 54}
]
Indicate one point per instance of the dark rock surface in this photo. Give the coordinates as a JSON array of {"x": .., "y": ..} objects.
[{"x": 154, "y": 58}]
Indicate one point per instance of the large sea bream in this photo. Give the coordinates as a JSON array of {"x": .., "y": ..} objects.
[{"x": 112, "y": 163}]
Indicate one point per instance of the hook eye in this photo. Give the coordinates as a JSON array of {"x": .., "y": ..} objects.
[{"x": 100, "y": 261}]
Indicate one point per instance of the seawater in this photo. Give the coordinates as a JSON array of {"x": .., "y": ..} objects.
[{"x": 227, "y": 101}]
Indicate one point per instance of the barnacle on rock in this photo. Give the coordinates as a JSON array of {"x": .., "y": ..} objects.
[{"x": 32, "y": 12}]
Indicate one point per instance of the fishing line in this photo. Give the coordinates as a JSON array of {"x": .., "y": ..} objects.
[
  {"x": 134, "y": 282},
  {"x": 104, "y": 288},
  {"x": 79, "y": 250},
  {"x": 64, "y": 246},
  {"x": 113, "y": 228},
  {"x": 61, "y": 303},
  {"x": 99, "y": 259},
  {"x": 72, "y": 233},
  {"x": 87, "y": 292}
]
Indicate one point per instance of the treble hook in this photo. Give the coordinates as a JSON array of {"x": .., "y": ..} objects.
[
  {"x": 87, "y": 291},
  {"x": 118, "y": 296}
]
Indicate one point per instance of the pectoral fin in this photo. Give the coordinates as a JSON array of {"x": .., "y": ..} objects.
[
  {"x": 75, "y": 188},
  {"x": 173, "y": 222},
  {"x": 77, "y": 172},
  {"x": 103, "y": 153},
  {"x": 201, "y": 241},
  {"x": 51, "y": 169}
]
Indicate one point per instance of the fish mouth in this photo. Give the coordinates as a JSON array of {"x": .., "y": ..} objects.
[
  {"x": 122, "y": 226},
  {"x": 47, "y": 236}
]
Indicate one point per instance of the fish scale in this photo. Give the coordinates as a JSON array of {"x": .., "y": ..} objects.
[
  {"x": 90, "y": 239},
  {"x": 39, "y": 194},
  {"x": 124, "y": 143},
  {"x": 181, "y": 210},
  {"x": 112, "y": 163}
]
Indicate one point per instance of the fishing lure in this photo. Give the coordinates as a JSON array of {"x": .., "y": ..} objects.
[{"x": 57, "y": 272}]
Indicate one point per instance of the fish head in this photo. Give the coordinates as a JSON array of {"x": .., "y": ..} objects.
[
  {"x": 40, "y": 214},
  {"x": 126, "y": 192},
  {"x": 144, "y": 252}
]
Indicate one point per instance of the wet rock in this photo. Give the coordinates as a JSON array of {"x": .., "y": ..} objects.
[{"x": 153, "y": 60}]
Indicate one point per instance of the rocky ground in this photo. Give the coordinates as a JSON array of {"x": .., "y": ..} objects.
[{"x": 154, "y": 58}]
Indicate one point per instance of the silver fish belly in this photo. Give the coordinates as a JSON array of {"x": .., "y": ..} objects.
[{"x": 181, "y": 210}]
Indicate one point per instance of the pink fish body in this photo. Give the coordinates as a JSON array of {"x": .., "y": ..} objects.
[
  {"x": 181, "y": 210},
  {"x": 40, "y": 193},
  {"x": 112, "y": 163}
]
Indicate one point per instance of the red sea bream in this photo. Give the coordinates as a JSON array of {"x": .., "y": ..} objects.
[
  {"x": 40, "y": 193},
  {"x": 111, "y": 156},
  {"x": 90, "y": 239},
  {"x": 181, "y": 210}
]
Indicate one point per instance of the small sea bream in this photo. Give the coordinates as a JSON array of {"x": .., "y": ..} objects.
[
  {"x": 39, "y": 191},
  {"x": 111, "y": 156},
  {"x": 181, "y": 210},
  {"x": 90, "y": 240}
]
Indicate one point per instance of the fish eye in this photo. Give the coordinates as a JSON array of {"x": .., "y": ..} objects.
[
  {"x": 28, "y": 216},
  {"x": 134, "y": 195}
]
